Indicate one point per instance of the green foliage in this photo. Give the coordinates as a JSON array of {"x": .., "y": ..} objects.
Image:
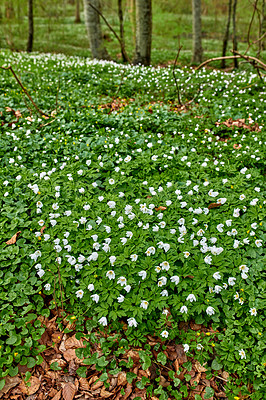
[{"x": 96, "y": 180}]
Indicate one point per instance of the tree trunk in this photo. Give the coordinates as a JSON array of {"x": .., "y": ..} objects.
[
  {"x": 77, "y": 16},
  {"x": 121, "y": 26},
  {"x": 197, "y": 46},
  {"x": 132, "y": 12},
  {"x": 31, "y": 29},
  {"x": 143, "y": 32},
  {"x": 9, "y": 9},
  {"x": 262, "y": 29},
  {"x": 92, "y": 21},
  {"x": 227, "y": 31},
  {"x": 234, "y": 32}
]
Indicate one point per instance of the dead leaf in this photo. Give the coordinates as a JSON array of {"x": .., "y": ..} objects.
[
  {"x": 10, "y": 382},
  {"x": 214, "y": 205},
  {"x": 42, "y": 229},
  {"x": 34, "y": 386},
  {"x": 160, "y": 208},
  {"x": 69, "y": 391},
  {"x": 128, "y": 391},
  {"x": 181, "y": 355},
  {"x": 163, "y": 382},
  {"x": 105, "y": 394},
  {"x": 14, "y": 238},
  {"x": 73, "y": 343},
  {"x": 199, "y": 367},
  {"x": 84, "y": 384},
  {"x": 122, "y": 379},
  {"x": 57, "y": 396}
]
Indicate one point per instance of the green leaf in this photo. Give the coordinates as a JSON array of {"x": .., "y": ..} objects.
[
  {"x": 104, "y": 377},
  {"x": 209, "y": 392},
  {"x": 55, "y": 367},
  {"x": 82, "y": 372},
  {"x": 131, "y": 376},
  {"x": 2, "y": 384},
  {"x": 161, "y": 358},
  {"x": 216, "y": 365},
  {"x": 31, "y": 362}
]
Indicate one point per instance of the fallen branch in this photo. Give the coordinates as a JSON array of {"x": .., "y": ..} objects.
[
  {"x": 250, "y": 59},
  {"x": 123, "y": 50},
  {"x": 25, "y": 91}
]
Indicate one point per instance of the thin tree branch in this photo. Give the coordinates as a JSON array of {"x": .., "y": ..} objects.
[
  {"x": 250, "y": 59},
  {"x": 112, "y": 30},
  {"x": 250, "y": 25},
  {"x": 177, "y": 86},
  {"x": 25, "y": 91}
]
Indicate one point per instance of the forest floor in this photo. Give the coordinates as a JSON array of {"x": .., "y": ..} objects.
[{"x": 132, "y": 228}]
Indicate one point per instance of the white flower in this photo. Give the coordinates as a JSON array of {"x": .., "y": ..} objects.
[
  {"x": 165, "y": 265},
  {"x": 191, "y": 298},
  {"x": 91, "y": 287},
  {"x": 40, "y": 272},
  {"x": 110, "y": 274},
  {"x": 208, "y": 259},
  {"x": 112, "y": 260},
  {"x": 122, "y": 281},
  {"x": 216, "y": 275},
  {"x": 111, "y": 204},
  {"x": 175, "y": 279},
  {"x": 186, "y": 254},
  {"x": 134, "y": 257},
  {"x": 253, "y": 311},
  {"x": 111, "y": 181},
  {"x": 127, "y": 288},
  {"x": 95, "y": 297},
  {"x": 79, "y": 294},
  {"x": 103, "y": 321},
  {"x": 242, "y": 354},
  {"x": 165, "y": 334},
  {"x": 186, "y": 347},
  {"x": 183, "y": 309},
  {"x": 47, "y": 286},
  {"x": 242, "y": 197},
  {"x": 142, "y": 274},
  {"x": 231, "y": 281},
  {"x": 243, "y": 268},
  {"x": 120, "y": 298},
  {"x": 132, "y": 322},
  {"x": 144, "y": 304},
  {"x": 164, "y": 293},
  {"x": 210, "y": 310},
  {"x": 258, "y": 242},
  {"x": 217, "y": 288},
  {"x": 162, "y": 281}
]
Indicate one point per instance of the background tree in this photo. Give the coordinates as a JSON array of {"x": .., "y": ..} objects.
[
  {"x": 227, "y": 31},
  {"x": 197, "y": 34},
  {"x": 234, "y": 31},
  {"x": 93, "y": 25},
  {"x": 77, "y": 12},
  {"x": 31, "y": 27},
  {"x": 143, "y": 32},
  {"x": 121, "y": 28}
]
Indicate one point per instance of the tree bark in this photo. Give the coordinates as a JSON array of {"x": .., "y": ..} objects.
[
  {"x": 262, "y": 28},
  {"x": 31, "y": 27},
  {"x": 234, "y": 32},
  {"x": 143, "y": 32},
  {"x": 121, "y": 27},
  {"x": 77, "y": 13},
  {"x": 92, "y": 21},
  {"x": 197, "y": 46},
  {"x": 227, "y": 31}
]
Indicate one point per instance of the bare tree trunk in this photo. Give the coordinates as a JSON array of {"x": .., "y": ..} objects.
[
  {"x": 143, "y": 32},
  {"x": 77, "y": 16},
  {"x": 31, "y": 28},
  {"x": 92, "y": 21},
  {"x": 227, "y": 31},
  {"x": 197, "y": 46},
  {"x": 132, "y": 12},
  {"x": 234, "y": 32},
  {"x": 121, "y": 26}
]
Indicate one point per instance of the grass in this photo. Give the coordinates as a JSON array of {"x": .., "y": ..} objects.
[{"x": 167, "y": 200}]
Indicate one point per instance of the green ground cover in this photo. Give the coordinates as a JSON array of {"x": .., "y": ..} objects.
[{"x": 153, "y": 214}]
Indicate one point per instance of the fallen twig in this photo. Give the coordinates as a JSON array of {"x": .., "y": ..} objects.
[{"x": 25, "y": 90}]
